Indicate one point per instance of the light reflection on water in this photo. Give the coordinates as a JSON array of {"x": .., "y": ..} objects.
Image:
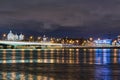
[
  {"x": 107, "y": 56},
  {"x": 23, "y": 76},
  {"x": 50, "y": 64}
]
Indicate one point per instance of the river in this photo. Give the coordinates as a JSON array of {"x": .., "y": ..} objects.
[{"x": 60, "y": 64}]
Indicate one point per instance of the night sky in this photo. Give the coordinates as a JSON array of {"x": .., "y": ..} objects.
[{"x": 61, "y": 18}]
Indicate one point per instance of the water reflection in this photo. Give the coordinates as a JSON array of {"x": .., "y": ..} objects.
[
  {"x": 50, "y": 64},
  {"x": 107, "y": 56},
  {"x": 103, "y": 73},
  {"x": 63, "y": 56},
  {"x": 115, "y": 56},
  {"x": 23, "y": 76}
]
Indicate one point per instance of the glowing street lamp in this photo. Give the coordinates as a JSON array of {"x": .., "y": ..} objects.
[
  {"x": 70, "y": 41},
  {"x": 77, "y": 41},
  {"x": 38, "y": 38},
  {"x": 91, "y": 39},
  {"x": 30, "y": 38},
  {"x": 4, "y": 36}
]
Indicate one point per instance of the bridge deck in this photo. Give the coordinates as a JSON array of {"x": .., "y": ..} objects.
[{"x": 22, "y": 43}]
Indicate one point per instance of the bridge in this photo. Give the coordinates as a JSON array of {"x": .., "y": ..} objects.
[{"x": 25, "y": 43}]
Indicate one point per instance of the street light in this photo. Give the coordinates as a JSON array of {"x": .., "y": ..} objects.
[
  {"x": 91, "y": 39},
  {"x": 30, "y": 38},
  {"x": 77, "y": 41},
  {"x": 4, "y": 36},
  {"x": 38, "y": 38}
]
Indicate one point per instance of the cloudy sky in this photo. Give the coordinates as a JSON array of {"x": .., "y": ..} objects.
[{"x": 72, "y": 18}]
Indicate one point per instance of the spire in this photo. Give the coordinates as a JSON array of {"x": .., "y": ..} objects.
[{"x": 44, "y": 38}]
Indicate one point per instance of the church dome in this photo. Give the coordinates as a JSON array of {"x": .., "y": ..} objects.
[
  {"x": 10, "y": 36},
  {"x": 44, "y": 38}
]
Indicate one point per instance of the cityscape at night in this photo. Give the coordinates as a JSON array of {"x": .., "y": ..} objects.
[
  {"x": 15, "y": 39},
  {"x": 59, "y": 39}
]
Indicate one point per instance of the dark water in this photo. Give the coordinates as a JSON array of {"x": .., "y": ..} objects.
[{"x": 60, "y": 64}]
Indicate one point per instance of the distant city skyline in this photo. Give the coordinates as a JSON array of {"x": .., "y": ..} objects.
[{"x": 60, "y": 35}]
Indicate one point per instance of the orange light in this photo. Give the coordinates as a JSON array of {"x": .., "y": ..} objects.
[
  {"x": 31, "y": 37},
  {"x": 4, "y": 35}
]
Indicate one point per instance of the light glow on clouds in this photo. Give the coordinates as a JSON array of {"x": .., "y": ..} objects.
[{"x": 39, "y": 15}]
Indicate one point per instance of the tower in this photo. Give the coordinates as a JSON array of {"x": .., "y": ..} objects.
[{"x": 44, "y": 38}]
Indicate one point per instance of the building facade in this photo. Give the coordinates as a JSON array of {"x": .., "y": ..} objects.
[
  {"x": 14, "y": 37},
  {"x": 103, "y": 42}
]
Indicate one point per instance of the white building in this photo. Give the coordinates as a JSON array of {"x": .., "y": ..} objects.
[
  {"x": 16, "y": 37},
  {"x": 13, "y": 37},
  {"x": 10, "y": 36},
  {"x": 21, "y": 37},
  {"x": 103, "y": 42},
  {"x": 44, "y": 38}
]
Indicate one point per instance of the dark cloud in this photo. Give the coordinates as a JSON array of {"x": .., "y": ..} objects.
[{"x": 89, "y": 16}]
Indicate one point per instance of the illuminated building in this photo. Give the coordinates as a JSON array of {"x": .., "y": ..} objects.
[
  {"x": 44, "y": 38},
  {"x": 103, "y": 42},
  {"x": 13, "y": 37},
  {"x": 118, "y": 39},
  {"x": 21, "y": 37}
]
